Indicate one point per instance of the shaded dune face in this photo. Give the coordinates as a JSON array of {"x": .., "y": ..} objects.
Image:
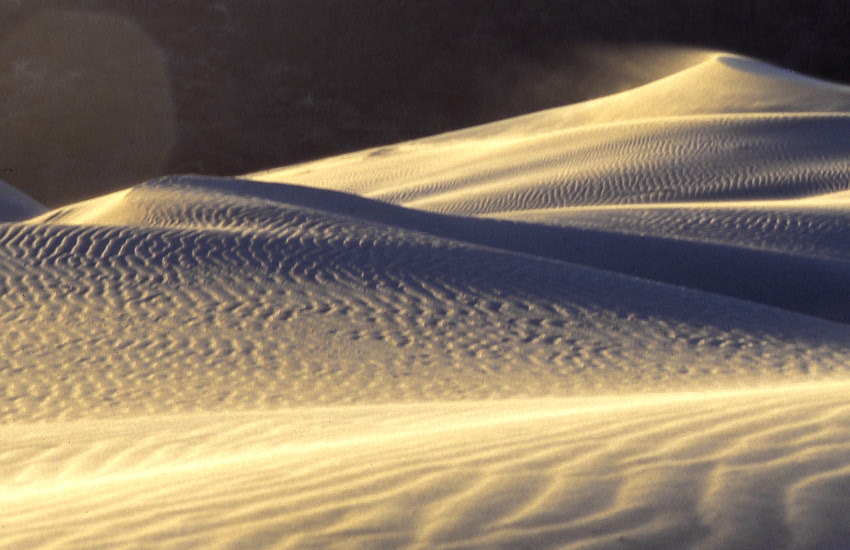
[
  {"x": 15, "y": 205},
  {"x": 617, "y": 324},
  {"x": 86, "y": 105},
  {"x": 361, "y": 311}
]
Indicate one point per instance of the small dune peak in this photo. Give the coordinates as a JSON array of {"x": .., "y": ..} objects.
[
  {"x": 726, "y": 83},
  {"x": 754, "y": 67},
  {"x": 16, "y": 205}
]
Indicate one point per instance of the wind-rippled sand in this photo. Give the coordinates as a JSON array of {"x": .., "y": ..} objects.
[{"x": 618, "y": 324}]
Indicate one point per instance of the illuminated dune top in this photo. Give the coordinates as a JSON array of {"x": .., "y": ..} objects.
[
  {"x": 718, "y": 83},
  {"x": 728, "y": 162},
  {"x": 726, "y": 127}
]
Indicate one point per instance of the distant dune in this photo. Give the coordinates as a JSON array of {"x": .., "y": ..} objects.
[
  {"x": 15, "y": 205},
  {"x": 617, "y": 324}
]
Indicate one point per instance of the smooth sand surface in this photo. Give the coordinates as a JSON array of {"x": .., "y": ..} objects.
[{"x": 619, "y": 324}]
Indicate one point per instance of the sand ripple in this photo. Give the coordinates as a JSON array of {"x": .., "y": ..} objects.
[
  {"x": 622, "y": 324},
  {"x": 206, "y": 300}
]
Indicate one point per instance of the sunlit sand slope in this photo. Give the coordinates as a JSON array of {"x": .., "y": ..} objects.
[
  {"x": 621, "y": 324},
  {"x": 727, "y": 127},
  {"x": 756, "y": 470}
]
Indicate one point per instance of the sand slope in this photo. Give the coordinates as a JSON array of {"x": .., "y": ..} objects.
[
  {"x": 621, "y": 324},
  {"x": 761, "y": 469},
  {"x": 727, "y": 127}
]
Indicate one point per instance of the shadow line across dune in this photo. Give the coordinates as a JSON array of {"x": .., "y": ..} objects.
[{"x": 802, "y": 283}]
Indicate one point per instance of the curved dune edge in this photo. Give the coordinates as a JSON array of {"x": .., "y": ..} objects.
[
  {"x": 749, "y": 469},
  {"x": 731, "y": 248}
]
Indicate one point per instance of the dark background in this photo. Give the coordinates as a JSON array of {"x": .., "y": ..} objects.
[{"x": 253, "y": 84}]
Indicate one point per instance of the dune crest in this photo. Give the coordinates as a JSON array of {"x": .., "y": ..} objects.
[{"x": 619, "y": 324}]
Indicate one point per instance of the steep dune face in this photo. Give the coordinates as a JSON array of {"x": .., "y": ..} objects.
[{"x": 616, "y": 324}]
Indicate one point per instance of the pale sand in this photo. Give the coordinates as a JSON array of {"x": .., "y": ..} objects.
[
  {"x": 621, "y": 324},
  {"x": 758, "y": 469}
]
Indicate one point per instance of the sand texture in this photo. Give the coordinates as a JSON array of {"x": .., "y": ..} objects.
[{"x": 618, "y": 324}]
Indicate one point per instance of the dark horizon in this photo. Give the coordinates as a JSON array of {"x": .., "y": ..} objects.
[{"x": 258, "y": 84}]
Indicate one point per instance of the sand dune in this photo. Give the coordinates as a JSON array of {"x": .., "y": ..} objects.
[
  {"x": 199, "y": 273},
  {"x": 712, "y": 163},
  {"x": 619, "y": 324},
  {"x": 727, "y": 127}
]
